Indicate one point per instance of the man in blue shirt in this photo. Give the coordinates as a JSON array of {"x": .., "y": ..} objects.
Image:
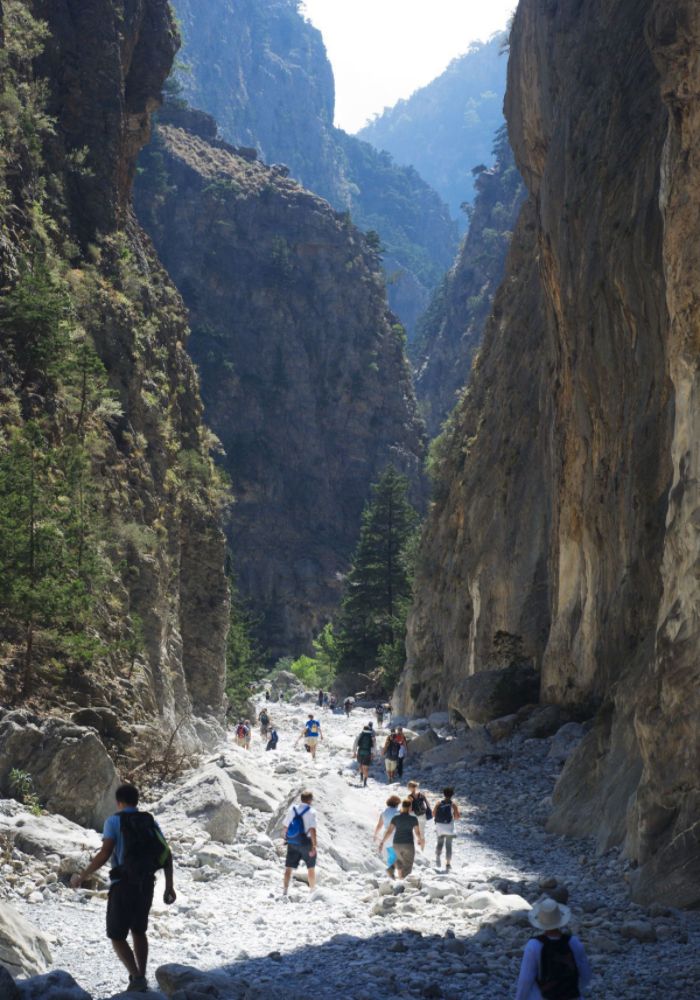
[
  {"x": 311, "y": 733},
  {"x": 130, "y": 897}
]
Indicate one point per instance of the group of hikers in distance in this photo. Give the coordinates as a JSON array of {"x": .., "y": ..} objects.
[{"x": 554, "y": 964}]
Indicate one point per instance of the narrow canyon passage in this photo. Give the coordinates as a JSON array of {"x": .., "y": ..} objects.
[{"x": 359, "y": 935}]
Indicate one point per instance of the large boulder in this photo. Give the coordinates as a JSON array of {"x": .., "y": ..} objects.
[
  {"x": 206, "y": 799},
  {"x": 283, "y": 684},
  {"x": 71, "y": 771},
  {"x": 41, "y": 836},
  {"x": 57, "y": 985},
  {"x": 490, "y": 694},
  {"x": 426, "y": 741},
  {"x": 544, "y": 721},
  {"x": 474, "y": 742},
  {"x": 24, "y": 950}
]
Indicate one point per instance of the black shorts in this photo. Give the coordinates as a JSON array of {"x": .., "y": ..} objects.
[
  {"x": 364, "y": 759},
  {"x": 297, "y": 853},
  {"x": 128, "y": 906}
]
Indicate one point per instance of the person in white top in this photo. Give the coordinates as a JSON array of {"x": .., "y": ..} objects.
[
  {"x": 383, "y": 823},
  {"x": 445, "y": 814},
  {"x": 300, "y": 837},
  {"x": 554, "y": 963}
]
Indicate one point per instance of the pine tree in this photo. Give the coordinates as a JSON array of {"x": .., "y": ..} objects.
[{"x": 378, "y": 585}]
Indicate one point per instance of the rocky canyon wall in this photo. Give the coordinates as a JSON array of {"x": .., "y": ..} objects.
[
  {"x": 565, "y": 523},
  {"x": 96, "y": 380},
  {"x": 304, "y": 375}
]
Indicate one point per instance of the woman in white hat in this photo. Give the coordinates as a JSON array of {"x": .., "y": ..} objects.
[{"x": 554, "y": 965}]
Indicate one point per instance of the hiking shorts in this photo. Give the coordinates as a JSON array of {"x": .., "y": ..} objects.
[
  {"x": 128, "y": 907},
  {"x": 364, "y": 759},
  {"x": 390, "y": 765},
  {"x": 297, "y": 853},
  {"x": 405, "y": 856},
  {"x": 311, "y": 741}
]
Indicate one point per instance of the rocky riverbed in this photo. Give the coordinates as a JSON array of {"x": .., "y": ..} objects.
[{"x": 231, "y": 934}]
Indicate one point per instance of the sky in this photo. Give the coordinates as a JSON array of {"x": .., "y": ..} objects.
[{"x": 382, "y": 50}]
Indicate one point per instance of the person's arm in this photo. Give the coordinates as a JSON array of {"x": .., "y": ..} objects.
[
  {"x": 455, "y": 811},
  {"x": 584, "y": 966},
  {"x": 311, "y": 832},
  {"x": 528, "y": 970},
  {"x": 389, "y": 831},
  {"x": 419, "y": 836},
  {"x": 169, "y": 896},
  {"x": 378, "y": 827},
  {"x": 102, "y": 856}
]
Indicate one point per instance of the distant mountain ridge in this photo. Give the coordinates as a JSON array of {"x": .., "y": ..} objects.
[
  {"x": 262, "y": 71},
  {"x": 447, "y": 127}
]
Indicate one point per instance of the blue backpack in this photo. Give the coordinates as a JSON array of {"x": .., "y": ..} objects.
[
  {"x": 296, "y": 834},
  {"x": 312, "y": 727}
]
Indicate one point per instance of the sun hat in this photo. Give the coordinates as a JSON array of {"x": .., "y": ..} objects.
[{"x": 548, "y": 915}]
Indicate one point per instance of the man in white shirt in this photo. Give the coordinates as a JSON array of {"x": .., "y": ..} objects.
[{"x": 300, "y": 837}]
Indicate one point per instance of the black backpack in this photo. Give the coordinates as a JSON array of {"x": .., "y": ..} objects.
[
  {"x": 558, "y": 978},
  {"x": 144, "y": 848},
  {"x": 364, "y": 744},
  {"x": 392, "y": 751},
  {"x": 443, "y": 813},
  {"x": 420, "y": 805}
]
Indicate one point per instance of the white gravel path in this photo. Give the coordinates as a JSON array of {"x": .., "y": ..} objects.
[{"x": 350, "y": 940}]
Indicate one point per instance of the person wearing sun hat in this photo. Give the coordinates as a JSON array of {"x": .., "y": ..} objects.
[{"x": 554, "y": 965}]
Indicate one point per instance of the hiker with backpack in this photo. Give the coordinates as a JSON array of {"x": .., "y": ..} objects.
[
  {"x": 264, "y": 720},
  {"x": 241, "y": 733},
  {"x": 300, "y": 839},
  {"x": 446, "y": 812},
  {"x": 385, "y": 818},
  {"x": 363, "y": 749},
  {"x": 554, "y": 965},
  {"x": 406, "y": 834},
  {"x": 347, "y": 705},
  {"x": 391, "y": 751},
  {"x": 420, "y": 807},
  {"x": 273, "y": 738},
  {"x": 311, "y": 734},
  {"x": 138, "y": 849},
  {"x": 379, "y": 712}
]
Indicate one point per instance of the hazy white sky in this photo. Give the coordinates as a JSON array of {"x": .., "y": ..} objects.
[{"x": 382, "y": 50}]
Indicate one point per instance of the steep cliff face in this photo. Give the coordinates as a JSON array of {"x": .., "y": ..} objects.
[
  {"x": 303, "y": 369},
  {"x": 261, "y": 70},
  {"x": 447, "y": 127},
  {"x": 122, "y": 599},
  {"x": 451, "y": 331},
  {"x": 575, "y": 449}
]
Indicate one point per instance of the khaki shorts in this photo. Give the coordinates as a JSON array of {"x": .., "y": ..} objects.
[
  {"x": 405, "y": 855},
  {"x": 311, "y": 741},
  {"x": 390, "y": 765}
]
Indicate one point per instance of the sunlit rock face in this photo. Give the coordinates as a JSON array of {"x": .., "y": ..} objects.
[{"x": 565, "y": 528}]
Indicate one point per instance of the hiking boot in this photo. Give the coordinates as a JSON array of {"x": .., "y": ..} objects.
[{"x": 138, "y": 984}]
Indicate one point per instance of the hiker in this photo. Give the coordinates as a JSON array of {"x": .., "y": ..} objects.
[
  {"x": 420, "y": 807},
  {"x": 248, "y": 734},
  {"x": 272, "y": 738},
  {"x": 405, "y": 830},
  {"x": 300, "y": 837},
  {"x": 264, "y": 720},
  {"x": 385, "y": 818},
  {"x": 403, "y": 743},
  {"x": 241, "y": 733},
  {"x": 326, "y": 701},
  {"x": 554, "y": 963},
  {"x": 267, "y": 695},
  {"x": 138, "y": 849},
  {"x": 311, "y": 733},
  {"x": 320, "y": 699},
  {"x": 347, "y": 705},
  {"x": 363, "y": 748},
  {"x": 387, "y": 714},
  {"x": 446, "y": 812},
  {"x": 379, "y": 711},
  {"x": 391, "y": 751},
  {"x": 333, "y": 702}
]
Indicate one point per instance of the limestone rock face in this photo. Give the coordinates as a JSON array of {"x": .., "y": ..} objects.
[
  {"x": 208, "y": 799},
  {"x": 23, "y": 949},
  {"x": 104, "y": 63},
  {"x": 303, "y": 370},
  {"x": 71, "y": 771},
  {"x": 566, "y": 514}
]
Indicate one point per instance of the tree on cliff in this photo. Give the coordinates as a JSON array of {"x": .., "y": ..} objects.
[{"x": 371, "y": 626}]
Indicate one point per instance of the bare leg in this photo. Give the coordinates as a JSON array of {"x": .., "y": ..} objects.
[
  {"x": 312, "y": 878},
  {"x": 287, "y": 879},
  {"x": 140, "y": 951},
  {"x": 126, "y": 957}
]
